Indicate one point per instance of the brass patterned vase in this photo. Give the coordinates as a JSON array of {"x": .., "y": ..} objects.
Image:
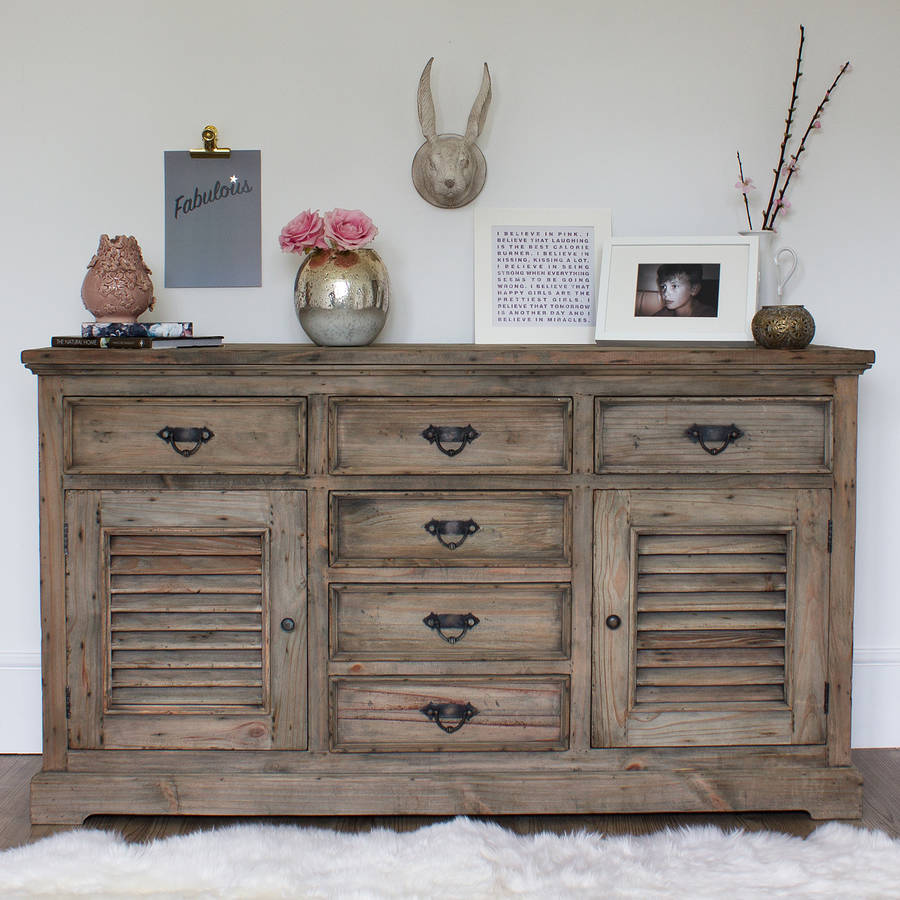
[
  {"x": 342, "y": 297},
  {"x": 783, "y": 327}
]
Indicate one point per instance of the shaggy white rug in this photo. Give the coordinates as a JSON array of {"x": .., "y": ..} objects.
[{"x": 457, "y": 859}]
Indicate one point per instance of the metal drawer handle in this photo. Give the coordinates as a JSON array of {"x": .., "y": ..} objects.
[
  {"x": 453, "y": 622},
  {"x": 708, "y": 434},
  {"x": 457, "y": 714},
  {"x": 450, "y": 434},
  {"x": 176, "y": 436},
  {"x": 441, "y": 528}
]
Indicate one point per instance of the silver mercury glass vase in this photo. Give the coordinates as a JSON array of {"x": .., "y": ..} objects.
[{"x": 342, "y": 297}]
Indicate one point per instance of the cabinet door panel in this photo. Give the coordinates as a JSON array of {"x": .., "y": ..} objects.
[
  {"x": 712, "y": 617},
  {"x": 174, "y": 613}
]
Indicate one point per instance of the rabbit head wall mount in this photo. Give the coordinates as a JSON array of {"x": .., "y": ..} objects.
[{"x": 448, "y": 170}]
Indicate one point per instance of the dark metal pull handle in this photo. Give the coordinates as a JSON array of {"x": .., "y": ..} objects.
[
  {"x": 709, "y": 434},
  {"x": 441, "y": 528},
  {"x": 288, "y": 624},
  {"x": 176, "y": 436},
  {"x": 450, "y": 434},
  {"x": 453, "y": 622},
  {"x": 457, "y": 715},
  {"x": 613, "y": 622}
]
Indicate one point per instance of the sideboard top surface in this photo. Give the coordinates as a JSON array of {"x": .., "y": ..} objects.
[{"x": 734, "y": 358}]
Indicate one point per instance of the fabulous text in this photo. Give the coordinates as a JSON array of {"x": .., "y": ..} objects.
[{"x": 218, "y": 192}]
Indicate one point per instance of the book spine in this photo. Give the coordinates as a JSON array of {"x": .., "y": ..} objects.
[
  {"x": 137, "y": 329},
  {"x": 110, "y": 343}
]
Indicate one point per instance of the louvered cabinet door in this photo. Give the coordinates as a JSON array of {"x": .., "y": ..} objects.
[
  {"x": 186, "y": 619},
  {"x": 711, "y": 616}
]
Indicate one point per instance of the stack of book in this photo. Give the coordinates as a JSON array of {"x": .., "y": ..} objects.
[{"x": 136, "y": 336}]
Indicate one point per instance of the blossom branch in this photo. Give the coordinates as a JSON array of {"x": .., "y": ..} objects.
[
  {"x": 767, "y": 222},
  {"x": 745, "y": 185},
  {"x": 813, "y": 123}
]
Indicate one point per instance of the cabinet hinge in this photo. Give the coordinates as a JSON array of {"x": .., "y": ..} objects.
[
  {"x": 830, "y": 534},
  {"x": 827, "y": 696},
  {"x": 66, "y": 539},
  {"x": 68, "y": 703}
]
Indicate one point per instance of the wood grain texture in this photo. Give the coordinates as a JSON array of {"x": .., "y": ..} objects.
[
  {"x": 387, "y": 622},
  {"x": 778, "y": 435},
  {"x": 53, "y": 573},
  {"x": 842, "y": 571},
  {"x": 371, "y": 714},
  {"x": 109, "y": 434},
  {"x": 174, "y": 647},
  {"x": 67, "y": 797},
  {"x": 737, "y": 358},
  {"x": 880, "y": 811},
  {"x": 713, "y": 672},
  {"x": 511, "y": 529},
  {"x": 385, "y": 436},
  {"x": 734, "y": 615}
]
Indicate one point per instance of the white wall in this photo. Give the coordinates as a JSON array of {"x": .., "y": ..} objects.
[{"x": 637, "y": 105}]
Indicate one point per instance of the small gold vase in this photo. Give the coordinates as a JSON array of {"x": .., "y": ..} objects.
[{"x": 783, "y": 327}]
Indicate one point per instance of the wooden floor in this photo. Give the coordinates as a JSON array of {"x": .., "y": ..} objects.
[{"x": 881, "y": 810}]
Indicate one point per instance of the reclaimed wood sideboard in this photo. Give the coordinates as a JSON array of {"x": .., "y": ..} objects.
[{"x": 284, "y": 579}]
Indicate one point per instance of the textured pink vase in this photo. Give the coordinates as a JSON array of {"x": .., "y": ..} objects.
[{"x": 117, "y": 287}]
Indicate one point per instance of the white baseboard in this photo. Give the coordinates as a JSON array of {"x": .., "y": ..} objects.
[
  {"x": 876, "y": 711},
  {"x": 876, "y": 686},
  {"x": 20, "y": 701}
]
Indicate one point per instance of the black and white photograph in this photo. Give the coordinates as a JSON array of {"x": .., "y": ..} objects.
[{"x": 677, "y": 289}]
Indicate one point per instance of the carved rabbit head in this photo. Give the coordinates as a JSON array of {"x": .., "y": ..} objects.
[{"x": 448, "y": 170}]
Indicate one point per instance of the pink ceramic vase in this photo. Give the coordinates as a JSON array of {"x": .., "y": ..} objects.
[{"x": 117, "y": 287}]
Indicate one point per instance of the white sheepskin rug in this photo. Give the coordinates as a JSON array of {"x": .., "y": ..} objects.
[{"x": 456, "y": 859}]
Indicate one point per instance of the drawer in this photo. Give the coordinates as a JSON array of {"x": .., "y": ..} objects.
[
  {"x": 183, "y": 435},
  {"x": 450, "y": 713},
  {"x": 416, "y": 435},
  {"x": 713, "y": 435},
  {"x": 489, "y": 528},
  {"x": 456, "y": 622}
]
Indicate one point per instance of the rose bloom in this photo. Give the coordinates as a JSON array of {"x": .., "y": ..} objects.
[
  {"x": 303, "y": 232},
  {"x": 350, "y": 229}
]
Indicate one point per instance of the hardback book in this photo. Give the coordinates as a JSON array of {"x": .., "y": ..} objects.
[
  {"x": 137, "y": 329},
  {"x": 135, "y": 343}
]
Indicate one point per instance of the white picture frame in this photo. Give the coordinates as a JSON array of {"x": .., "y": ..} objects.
[
  {"x": 719, "y": 310},
  {"x": 540, "y": 295}
]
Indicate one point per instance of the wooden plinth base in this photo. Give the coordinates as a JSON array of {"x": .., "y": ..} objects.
[{"x": 69, "y": 797}]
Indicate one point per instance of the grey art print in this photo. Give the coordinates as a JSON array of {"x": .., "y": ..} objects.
[{"x": 213, "y": 222}]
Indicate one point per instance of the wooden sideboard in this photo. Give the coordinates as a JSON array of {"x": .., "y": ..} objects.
[{"x": 283, "y": 579}]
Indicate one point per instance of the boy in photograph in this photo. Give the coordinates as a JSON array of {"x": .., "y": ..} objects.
[{"x": 680, "y": 286}]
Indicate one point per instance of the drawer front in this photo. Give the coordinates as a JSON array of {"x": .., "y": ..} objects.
[
  {"x": 499, "y": 528},
  {"x": 450, "y": 714},
  {"x": 719, "y": 435},
  {"x": 212, "y": 435},
  {"x": 408, "y": 436},
  {"x": 458, "y": 622}
]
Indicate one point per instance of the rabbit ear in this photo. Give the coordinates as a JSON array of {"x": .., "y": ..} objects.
[
  {"x": 426, "y": 103},
  {"x": 479, "y": 107}
]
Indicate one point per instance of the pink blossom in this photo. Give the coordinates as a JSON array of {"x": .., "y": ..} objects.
[
  {"x": 785, "y": 204},
  {"x": 349, "y": 229},
  {"x": 303, "y": 232},
  {"x": 817, "y": 124},
  {"x": 745, "y": 185}
]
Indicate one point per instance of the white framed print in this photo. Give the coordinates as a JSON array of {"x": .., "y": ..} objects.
[
  {"x": 536, "y": 274},
  {"x": 678, "y": 289}
]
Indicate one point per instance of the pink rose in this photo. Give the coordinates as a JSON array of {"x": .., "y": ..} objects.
[
  {"x": 350, "y": 229},
  {"x": 303, "y": 232}
]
